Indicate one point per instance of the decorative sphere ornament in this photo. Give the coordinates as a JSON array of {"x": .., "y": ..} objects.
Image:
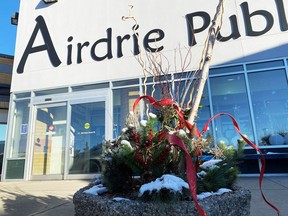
[
  {"x": 286, "y": 139},
  {"x": 276, "y": 139}
]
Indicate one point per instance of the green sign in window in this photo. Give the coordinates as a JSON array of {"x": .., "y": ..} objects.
[{"x": 15, "y": 169}]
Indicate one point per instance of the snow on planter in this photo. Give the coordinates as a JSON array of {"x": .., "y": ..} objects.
[
  {"x": 96, "y": 190},
  {"x": 170, "y": 182}
]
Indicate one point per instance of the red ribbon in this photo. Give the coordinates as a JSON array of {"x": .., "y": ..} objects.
[
  {"x": 190, "y": 169},
  {"x": 237, "y": 128},
  {"x": 175, "y": 140},
  {"x": 153, "y": 102}
]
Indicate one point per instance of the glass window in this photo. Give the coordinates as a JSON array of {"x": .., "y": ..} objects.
[
  {"x": 87, "y": 134},
  {"x": 204, "y": 113},
  {"x": 17, "y": 146},
  {"x": 204, "y": 108},
  {"x": 269, "y": 95},
  {"x": 51, "y": 91},
  {"x": 23, "y": 95},
  {"x": 3, "y": 128},
  {"x": 159, "y": 91},
  {"x": 235, "y": 68},
  {"x": 49, "y": 140},
  {"x": 20, "y": 130},
  {"x": 126, "y": 82},
  {"x": 157, "y": 79},
  {"x": 90, "y": 87},
  {"x": 263, "y": 65},
  {"x": 182, "y": 91},
  {"x": 123, "y": 100},
  {"x": 229, "y": 96}
]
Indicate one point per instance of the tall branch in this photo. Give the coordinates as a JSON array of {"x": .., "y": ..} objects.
[{"x": 206, "y": 60}]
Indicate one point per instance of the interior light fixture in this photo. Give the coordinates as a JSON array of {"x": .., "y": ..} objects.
[
  {"x": 14, "y": 18},
  {"x": 49, "y": 1}
]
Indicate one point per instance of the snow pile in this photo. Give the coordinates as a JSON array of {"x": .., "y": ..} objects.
[
  {"x": 126, "y": 143},
  {"x": 143, "y": 123},
  {"x": 210, "y": 164},
  {"x": 207, "y": 194},
  {"x": 201, "y": 174},
  {"x": 152, "y": 115},
  {"x": 180, "y": 132},
  {"x": 170, "y": 182},
  {"x": 97, "y": 180},
  {"x": 96, "y": 190}
]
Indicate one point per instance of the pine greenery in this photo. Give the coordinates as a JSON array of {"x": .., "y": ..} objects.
[{"x": 139, "y": 152}]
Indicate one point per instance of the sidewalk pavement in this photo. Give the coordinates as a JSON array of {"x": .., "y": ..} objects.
[
  {"x": 54, "y": 198},
  {"x": 41, "y": 198},
  {"x": 275, "y": 190}
]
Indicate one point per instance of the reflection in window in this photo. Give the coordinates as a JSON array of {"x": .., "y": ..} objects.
[
  {"x": 87, "y": 134},
  {"x": 182, "y": 91},
  {"x": 204, "y": 109},
  {"x": 204, "y": 113},
  {"x": 3, "y": 128},
  {"x": 229, "y": 95},
  {"x": 20, "y": 130},
  {"x": 49, "y": 140},
  {"x": 123, "y": 100},
  {"x": 269, "y": 95},
  {"x": 158, "y": 91},
  {"x": 263, "y": 65}
]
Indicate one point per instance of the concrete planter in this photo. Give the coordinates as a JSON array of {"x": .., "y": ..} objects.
[{"x": 228, "y": 204}]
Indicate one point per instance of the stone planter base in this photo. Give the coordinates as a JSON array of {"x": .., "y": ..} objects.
[{"x": 235, "y": 203}]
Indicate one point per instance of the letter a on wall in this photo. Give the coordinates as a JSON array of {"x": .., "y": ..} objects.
[{"x": 47, "y": 46}]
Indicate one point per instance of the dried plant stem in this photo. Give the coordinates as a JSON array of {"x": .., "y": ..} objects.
[{"x": 140, "y": 57}]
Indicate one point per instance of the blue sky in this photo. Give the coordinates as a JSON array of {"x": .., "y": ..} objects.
[
  {"x": 7, "y": 35},
  {"x": 7, "y": 31}
]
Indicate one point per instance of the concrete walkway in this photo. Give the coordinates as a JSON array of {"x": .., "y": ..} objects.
[
  {"x": 38, "y": 197},
  {"x": 54, "y": 198},
  {"x": 275, "y": 190}
]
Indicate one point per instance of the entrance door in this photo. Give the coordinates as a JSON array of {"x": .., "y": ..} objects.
[
  {"x": 49, "y": 141},
  {"x": 87, "y": 133}
]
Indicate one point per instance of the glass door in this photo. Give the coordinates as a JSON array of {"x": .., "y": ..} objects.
[
  {"x": 49, "y": 141},
  {"x": 87, "y": 133}
]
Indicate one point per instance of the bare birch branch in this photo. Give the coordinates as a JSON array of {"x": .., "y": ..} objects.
[{"x": 206, "y": 59}]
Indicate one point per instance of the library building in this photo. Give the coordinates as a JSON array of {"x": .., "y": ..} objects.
[{"x": 79, "y": 67}]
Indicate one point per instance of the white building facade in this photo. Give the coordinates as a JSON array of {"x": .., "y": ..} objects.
[{"x": 76, "y": 76}]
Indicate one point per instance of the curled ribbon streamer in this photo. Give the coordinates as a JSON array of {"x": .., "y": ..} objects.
[
  {"x": 153, "y": 102},
  {"x": 237, "y": 128},
  {"x": 190, "y": 169}
]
